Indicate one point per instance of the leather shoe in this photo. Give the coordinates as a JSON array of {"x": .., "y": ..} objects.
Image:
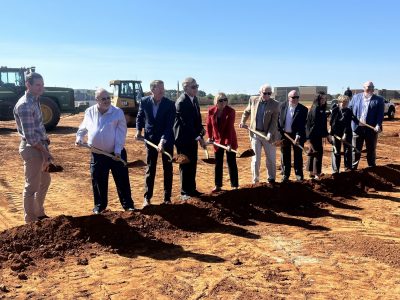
[
  {"x": 216, "y": 189},
  {"x": 146, "y": 202},
  {"x": 97, "y": 210},
  {"x": 167, "y": 201},
  {"x": 185, "y": 197},
  {"x": 285, "y": 180},
  {"x": 130, "y": 209},
  {"x": 43, "y": 217},
  {"x": 195, "y": 193}
]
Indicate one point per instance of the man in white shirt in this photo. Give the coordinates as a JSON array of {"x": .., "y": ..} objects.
[{"x": 106, "y": 128}]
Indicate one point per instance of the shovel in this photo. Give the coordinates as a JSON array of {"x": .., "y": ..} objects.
[
  {"x": 306, "y": 151},
  {"x": 132, "y": 164},
  {"x": 178, "y": 159},
  {"x": 246, "y": 153},
  {"x": 208, "y": 160},
  {"x": 346, "y": 143},
  {"x": 53, "y": 168}
]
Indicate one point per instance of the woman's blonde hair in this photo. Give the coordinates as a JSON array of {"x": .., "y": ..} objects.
[
  {"x": 219, "y": 96},
  {"x": 343, "y": 98}
]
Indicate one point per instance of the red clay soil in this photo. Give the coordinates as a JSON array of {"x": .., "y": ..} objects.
[{"x": 159, "y": 227}]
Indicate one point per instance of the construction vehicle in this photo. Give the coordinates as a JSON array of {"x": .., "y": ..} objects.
[
  {"x": 127, "y": 95},
  {"x": 53, "y": 102}
]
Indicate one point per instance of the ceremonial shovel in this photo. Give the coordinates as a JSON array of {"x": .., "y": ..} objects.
[
  {"x": 346, "y": 142},
  {"x": 246, "y": 153},
  {"x": 306, "y": 151},
  {"x": 208, "y": 160},
  {"x": 178, "y": 159},
  {"x": 132, "y": 164}
]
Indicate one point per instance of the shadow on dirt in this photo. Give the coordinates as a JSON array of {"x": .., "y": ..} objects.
[{"x": 156, "y": 230}]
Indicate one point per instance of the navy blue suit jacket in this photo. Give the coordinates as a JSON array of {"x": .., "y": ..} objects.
[
  {"x": 375, "y": 110},
  {"x": 159, "y": 127}
]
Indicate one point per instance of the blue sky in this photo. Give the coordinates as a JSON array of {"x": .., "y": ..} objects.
[{"x": 229, "y": 46}]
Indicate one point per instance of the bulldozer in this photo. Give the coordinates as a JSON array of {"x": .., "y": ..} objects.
[{"x": 127, "y": 95}]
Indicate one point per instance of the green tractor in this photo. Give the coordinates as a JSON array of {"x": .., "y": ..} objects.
[
  {"x": 127, "y": 95},
  {"x": 53, "y": 102}
]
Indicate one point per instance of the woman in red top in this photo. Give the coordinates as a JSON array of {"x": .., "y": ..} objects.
[{"x": 220, "y": 129}]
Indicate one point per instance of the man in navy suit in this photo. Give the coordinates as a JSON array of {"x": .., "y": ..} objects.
[
  {"x": 156, "y": 115},
  {"x": 188, "y": 132},
  {"x": 292, "y": 120},
  {"x": 368, "y": 108}
]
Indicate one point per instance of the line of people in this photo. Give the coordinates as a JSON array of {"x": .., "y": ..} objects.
[{"x": 287, "y": 125}]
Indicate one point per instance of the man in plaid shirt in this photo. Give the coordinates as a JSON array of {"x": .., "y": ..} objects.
[{"x": 33, "y": 148}]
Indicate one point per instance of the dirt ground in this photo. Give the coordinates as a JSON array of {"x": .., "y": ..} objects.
[{"x": 337, "y": 238}]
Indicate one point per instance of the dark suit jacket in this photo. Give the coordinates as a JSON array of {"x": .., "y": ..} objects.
[
  {"x": 222, "y": 132},
  {"x": 299, "y": 120},
  {"x": 341, "y": 121},
  {"x": 316, "y": 126},
  {"x": 187, "y": 126},
  {"x": 159, "y": 127},
  {"x": 375, "y": 112}
]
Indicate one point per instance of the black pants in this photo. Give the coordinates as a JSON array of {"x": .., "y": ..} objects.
[
  {"x": 152, "y": 156},
  {"x": 188, "y": 171},
  {"x": 286, "y": 160},
  {"x": 100, "y": 166},
  {"x": 314, "y": 163},
  {"x": 336, "y": 157},
  {"x": 371, "y": 138},
  {"x": 232, "y": 167}
]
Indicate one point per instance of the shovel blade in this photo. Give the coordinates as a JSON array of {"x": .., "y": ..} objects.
[
  {"x": 136, "y": 164},
  {"x": 210, "y": 161},
  {"x": 181, "y": 159},
  {"x": 247, "y": 153},
  {"x": 55, "y": 168}
]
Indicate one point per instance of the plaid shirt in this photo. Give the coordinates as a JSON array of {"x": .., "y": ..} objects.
[{"x": 28, "y": 117}]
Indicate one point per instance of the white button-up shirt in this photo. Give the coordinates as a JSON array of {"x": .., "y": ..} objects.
[
  {"x": 105, "y": 131},
  {"x": 289, "y": 118}
]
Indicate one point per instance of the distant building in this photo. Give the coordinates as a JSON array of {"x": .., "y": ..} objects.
[{"x": 307, "y": 93}]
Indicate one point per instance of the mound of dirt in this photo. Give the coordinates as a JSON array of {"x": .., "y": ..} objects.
[{"x": 162, "y": 226}]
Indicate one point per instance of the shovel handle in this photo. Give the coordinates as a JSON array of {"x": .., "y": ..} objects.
[
  {"x": 365, "y": 124},
  {"x": 293, "y": 142},
  {"x": 156, "y": 147},
  {"x": 224, "y": 147},
  {"x": 97, "y": 150},
  {"x": 346, "y": 142},
  {"x": 258, "y": 133}
]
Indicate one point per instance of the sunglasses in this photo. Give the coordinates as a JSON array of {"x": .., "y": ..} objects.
[
  {"x": 295, "y": 97},
  {"x": 267, "y": 93},
  {"x": 105, "y": 98},
  {"x": 195, "y": 87},
  {"x": 223, "y": 100}
]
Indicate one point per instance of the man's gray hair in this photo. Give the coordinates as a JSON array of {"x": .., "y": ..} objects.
[
  {"x": 187, "y": 81},
  {"x": 99, "y": 91},
  {"x": 265, "y": 86},
  {"x": 32, "y": 76},
  {"x": 155, "y": 83}
]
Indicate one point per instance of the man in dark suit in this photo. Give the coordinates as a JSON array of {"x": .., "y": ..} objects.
[
  {"x": 292, "y": 120},
  {"x": 188, "y": 132},
  {"x": 156, "y": 115},
  {"x": 368, "y": 108}
]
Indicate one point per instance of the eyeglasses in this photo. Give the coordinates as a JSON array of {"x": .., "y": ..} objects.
[
  {"x": 267, "y": 93},
  {"x": 295, "y": 97},
  {"x": 104, "y": 98},
  {"x": 196, "y": 86},
  {"x": 223, "y": 100}
]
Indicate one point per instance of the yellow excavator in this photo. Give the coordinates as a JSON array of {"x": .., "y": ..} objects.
[{"x": 127, "y": 95}]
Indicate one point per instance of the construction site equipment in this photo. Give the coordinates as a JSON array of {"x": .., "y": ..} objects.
[
  {"x": 53, "y": 102},
  {"x": 127, "y": 95}
]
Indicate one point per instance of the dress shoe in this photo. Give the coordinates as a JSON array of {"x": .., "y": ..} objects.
[
  {"x": 97, "y": 210},
  {"x": 271, "y": 180},
  {"x": 167, "y": 201},
  {"x": 195, "y": 193},
  {"x": 285, "y": 179},
  {"x": 43, "y": 217},
  {"x": 216, "y": 189},
  {"x": 130, "y": 209},
  {"x": 146, "y": 202}
]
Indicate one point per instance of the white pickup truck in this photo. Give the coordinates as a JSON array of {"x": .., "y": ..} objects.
[{"x": 390, "y": 109}]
